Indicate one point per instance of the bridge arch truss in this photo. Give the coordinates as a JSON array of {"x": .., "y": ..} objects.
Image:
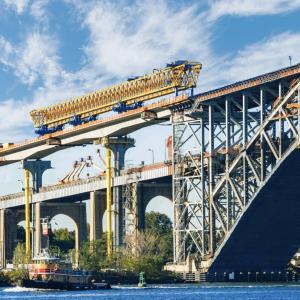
[{"x": 224, "y": 151}]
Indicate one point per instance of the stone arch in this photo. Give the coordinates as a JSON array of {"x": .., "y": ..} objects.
[
  {"x": 155, "y": 204},
  {"x": 149, "y": 191},
  {"x": 75, "y": 211},
  {"x": 74, "y": 225}
]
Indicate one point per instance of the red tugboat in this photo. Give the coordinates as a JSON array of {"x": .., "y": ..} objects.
[{"x": 50, "y": 272}]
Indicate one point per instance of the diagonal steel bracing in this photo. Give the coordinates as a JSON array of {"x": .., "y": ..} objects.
[{"x": 224, "y": 150}]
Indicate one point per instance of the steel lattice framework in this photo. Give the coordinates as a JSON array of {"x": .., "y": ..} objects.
[
  {"x": 224, "y": 150},
  {"x": 130, "y": 209},
  {"x": 175, "y": 77}
]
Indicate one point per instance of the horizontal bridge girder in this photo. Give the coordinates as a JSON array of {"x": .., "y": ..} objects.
[{"x": 85, "y": 186}]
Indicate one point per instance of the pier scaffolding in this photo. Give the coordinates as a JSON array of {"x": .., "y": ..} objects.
[
  {"x": 131, "y": 207},
  {"x": 224, "y": 151}
]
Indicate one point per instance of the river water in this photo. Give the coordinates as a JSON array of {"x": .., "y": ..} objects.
[{"x": 165, "y": 292}]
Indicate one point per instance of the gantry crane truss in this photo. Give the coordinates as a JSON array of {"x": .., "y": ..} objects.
[
  {"x": 225, "y": 150},
  {"x": 180, "y": 75}
]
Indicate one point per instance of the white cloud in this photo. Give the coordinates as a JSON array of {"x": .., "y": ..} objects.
[
  {"x": 37, "y": 59},
  {"x": 38, "y": 10},
  {"x": 264, "y": 56},
  {"x": 12, "y": 112},
  {"x": 33, "y": 61},
  {"x": 36, "y": 63},
  {"x": 17, "y": 5},
  {"x": 6, "y": 49},
  {"x": 219, "y": 8},
  {"x": 129, "y": 40}
]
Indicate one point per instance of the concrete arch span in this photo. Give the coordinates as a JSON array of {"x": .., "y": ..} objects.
[
  {"x": 64, "y": 221},
  {"x": 142, "y": 194},
  {"x": 75, "y": 211},
  {"x": 160, "y": 204},
  {"x": 9, "y": 218}
]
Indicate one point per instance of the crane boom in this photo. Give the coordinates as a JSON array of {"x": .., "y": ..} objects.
[{"x": 177, "y": 76}]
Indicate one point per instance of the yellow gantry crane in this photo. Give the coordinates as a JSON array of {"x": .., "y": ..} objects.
[{"x": 178, "y": 76}]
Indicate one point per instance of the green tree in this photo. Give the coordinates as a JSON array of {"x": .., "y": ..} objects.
[
  {"x": 63, "y": 239},
  {"x": 160, "y": 226},
  {"x": 92, "y": 255},
  {"x": 19, "y": 256},
  {"x": 158, "y": 223},
  {"x": 153, "y": 249}
]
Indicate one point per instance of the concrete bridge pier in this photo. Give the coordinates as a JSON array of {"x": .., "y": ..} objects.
[
  {"x": 97, "y": 209},
  {"x": 2, "y": 238},
  {"x": 118, "y": 146},
  {"x": 37, "y": 169},
  {"x": 9, "y": 219}
]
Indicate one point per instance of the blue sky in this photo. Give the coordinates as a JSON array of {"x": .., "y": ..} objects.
[{"x": 51, "y": 50}]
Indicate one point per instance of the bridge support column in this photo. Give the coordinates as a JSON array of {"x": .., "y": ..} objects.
[
  {"x": 37, "y": 227},
  {"x": 97, "y": 209},
  {"x": 2, "y": 239},
  {"x": 119, "y": 146},
  {"x": 37, "y": 169},
  {"x": 11, "y": 220}
]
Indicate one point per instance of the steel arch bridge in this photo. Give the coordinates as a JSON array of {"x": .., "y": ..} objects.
[{"x": 236, "y": 175}]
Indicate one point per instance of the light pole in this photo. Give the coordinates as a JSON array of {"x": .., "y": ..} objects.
[
  {"x": 22, "y": 184},
  {"x": 151, "y": 150}
]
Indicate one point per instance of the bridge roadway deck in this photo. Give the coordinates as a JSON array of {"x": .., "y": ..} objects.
[
  {"x": 117, "y": 125},
  {"x": 257, "y": 81},
  {"x": 80, "y": 188},
  {"x": 128, "y": 122}
]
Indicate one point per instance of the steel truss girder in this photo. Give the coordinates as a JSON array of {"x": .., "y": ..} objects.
[{"x": 220, "y": 163}]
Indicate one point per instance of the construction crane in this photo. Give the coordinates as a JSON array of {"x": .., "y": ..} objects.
[
  {"x": 79, "y": 166},
  {"x": 178, "y": 76}
]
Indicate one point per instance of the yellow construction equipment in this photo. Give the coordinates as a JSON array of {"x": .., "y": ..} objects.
[
  {"x": 175, "y": 77},
  {"x": 27, "y": 214}
]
